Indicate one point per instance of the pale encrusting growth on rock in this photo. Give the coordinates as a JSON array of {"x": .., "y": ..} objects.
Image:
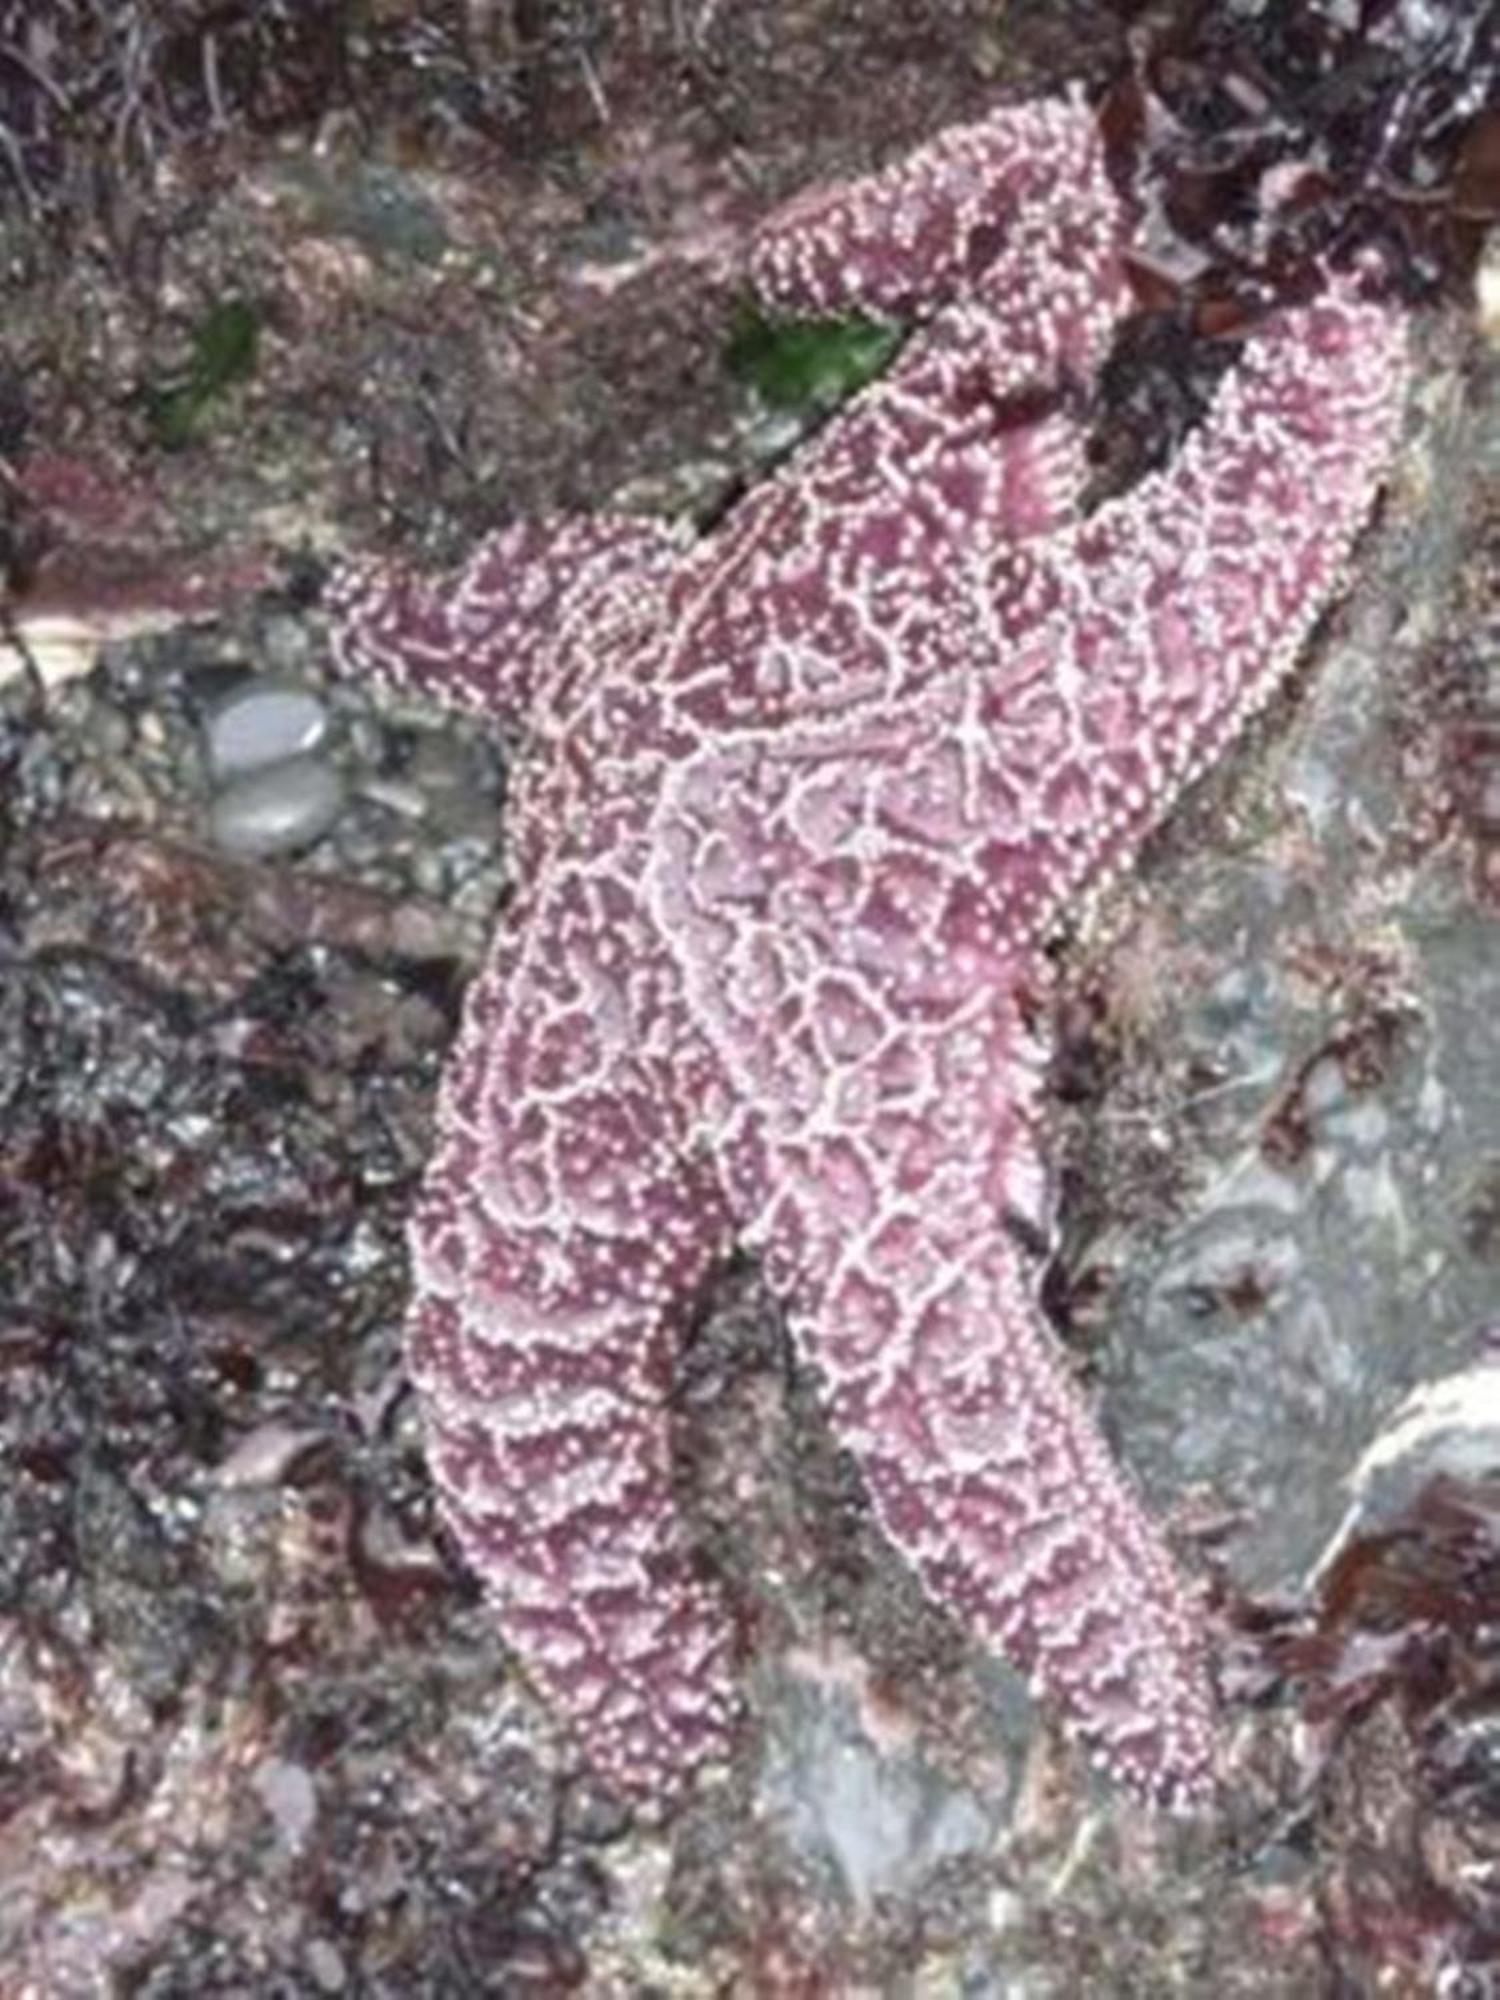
[{"x": 802, "y": 801}]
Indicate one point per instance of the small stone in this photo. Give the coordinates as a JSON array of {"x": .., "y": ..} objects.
[
  {"x": 396, "y": 796},
  {"x": 290, "y": 1797},
  {"x": 263, "y": 723},
  {"x": 326, "y": 1967},
  {"x": 277, "y": 809},
  {"x": 107, "y": 731},
  {"x": 1487, "y": 803},
  {"x": 1487, "y": 293}
]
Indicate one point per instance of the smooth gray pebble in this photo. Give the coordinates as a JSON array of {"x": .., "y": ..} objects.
[
  {"x": 263, "y": 723},
  {"x": 275, "y": 810}
]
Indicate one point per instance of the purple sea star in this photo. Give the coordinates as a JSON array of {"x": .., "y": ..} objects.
[{"x": 800, "y": 804}]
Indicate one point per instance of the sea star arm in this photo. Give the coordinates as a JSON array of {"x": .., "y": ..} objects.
[
  {"x": 558, "y": 1239},
  {"x": 896, "y": 1239},
  {"x": 557, "y": 1247},
  {"x": 1180, "y": 606},
  {"x": 1021, "y": 194},
  {"x": 477, "y": 638},
  {"x": 973, "y": 434}
]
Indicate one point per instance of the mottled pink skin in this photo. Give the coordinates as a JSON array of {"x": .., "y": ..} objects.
[{"x": 801, "y": 803}]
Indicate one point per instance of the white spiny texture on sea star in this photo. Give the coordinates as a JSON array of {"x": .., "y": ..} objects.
[{"x": 799, "y": 803}]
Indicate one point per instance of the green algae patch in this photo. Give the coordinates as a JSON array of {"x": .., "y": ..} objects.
[
  {"x": 224, "y": 352},
  {"x": 809, "y": 365}
]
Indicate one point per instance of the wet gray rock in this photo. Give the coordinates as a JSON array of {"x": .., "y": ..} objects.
[
  {"x": 1328, "y": 1096},
  {"x": 381, "y": 208},
  {"x": 1448, "y": 1428},
  {"x": 875, "y": 1820},
  {"x": 278, "y": 809}
]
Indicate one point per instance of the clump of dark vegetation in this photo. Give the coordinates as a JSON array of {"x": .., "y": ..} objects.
[
  {"x": 1398, "y": 1670},
  {"x": 96, "y": 95},
  {"x": 1265, "y": 145},
  {"x": 1275, "y": 140}
]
